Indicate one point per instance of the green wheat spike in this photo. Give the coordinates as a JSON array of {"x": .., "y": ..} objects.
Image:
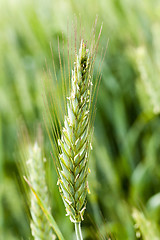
[
  {"x": 75, "y": 138},
  {"x": 145, "y": 227},
  {"x": 39, "y": 224}
]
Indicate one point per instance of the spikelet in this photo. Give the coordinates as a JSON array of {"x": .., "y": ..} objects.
[
  {"x": 75, "y": 138},
  {"x": 35, "y": 166}
]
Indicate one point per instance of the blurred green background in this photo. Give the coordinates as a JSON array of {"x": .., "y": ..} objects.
[{"x": 125, "y": 163}]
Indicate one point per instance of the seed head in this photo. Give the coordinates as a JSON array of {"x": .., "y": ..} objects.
[{"x": 75, "y": 138}]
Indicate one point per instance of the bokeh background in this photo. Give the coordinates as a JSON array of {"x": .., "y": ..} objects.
[{"x": 125, "y": 163}]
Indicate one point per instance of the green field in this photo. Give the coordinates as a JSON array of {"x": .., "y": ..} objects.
[{"x": 124, "y": 182}]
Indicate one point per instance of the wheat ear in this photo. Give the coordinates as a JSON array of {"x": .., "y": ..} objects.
[
  {"x": 36, "y": 174},
  {"x": 75, "y": 139}
]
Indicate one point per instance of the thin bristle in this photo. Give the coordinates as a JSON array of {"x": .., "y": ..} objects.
[
  {"x": 62, "y": 74},
  {"x": 64, "y": 69},
  {"x": 55, "y": 88}
]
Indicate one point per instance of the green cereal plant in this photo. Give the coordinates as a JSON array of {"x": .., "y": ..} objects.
[
  {"x": 75, "y": 142},
  {"x": 72, "y": 143},
  {"x": 145, "y": 228},
  {"x": 39, "y": 225},
  {"x": 33, "y": 168},
  {"x": 147, "y": 66}
]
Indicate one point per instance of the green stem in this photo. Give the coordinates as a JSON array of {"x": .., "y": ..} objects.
[{"x": 78, "y": 231}]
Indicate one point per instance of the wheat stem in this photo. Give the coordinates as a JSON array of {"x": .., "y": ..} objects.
[{"x": 78, "y": 231}]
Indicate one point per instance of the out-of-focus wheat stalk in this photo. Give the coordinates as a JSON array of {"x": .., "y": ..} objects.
[
  {"x": 144, "y": 227},
  {"x": 147, "y": 66},
  {"x": 39, "y": 224},
  {"x": 32, "y": 162}
]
